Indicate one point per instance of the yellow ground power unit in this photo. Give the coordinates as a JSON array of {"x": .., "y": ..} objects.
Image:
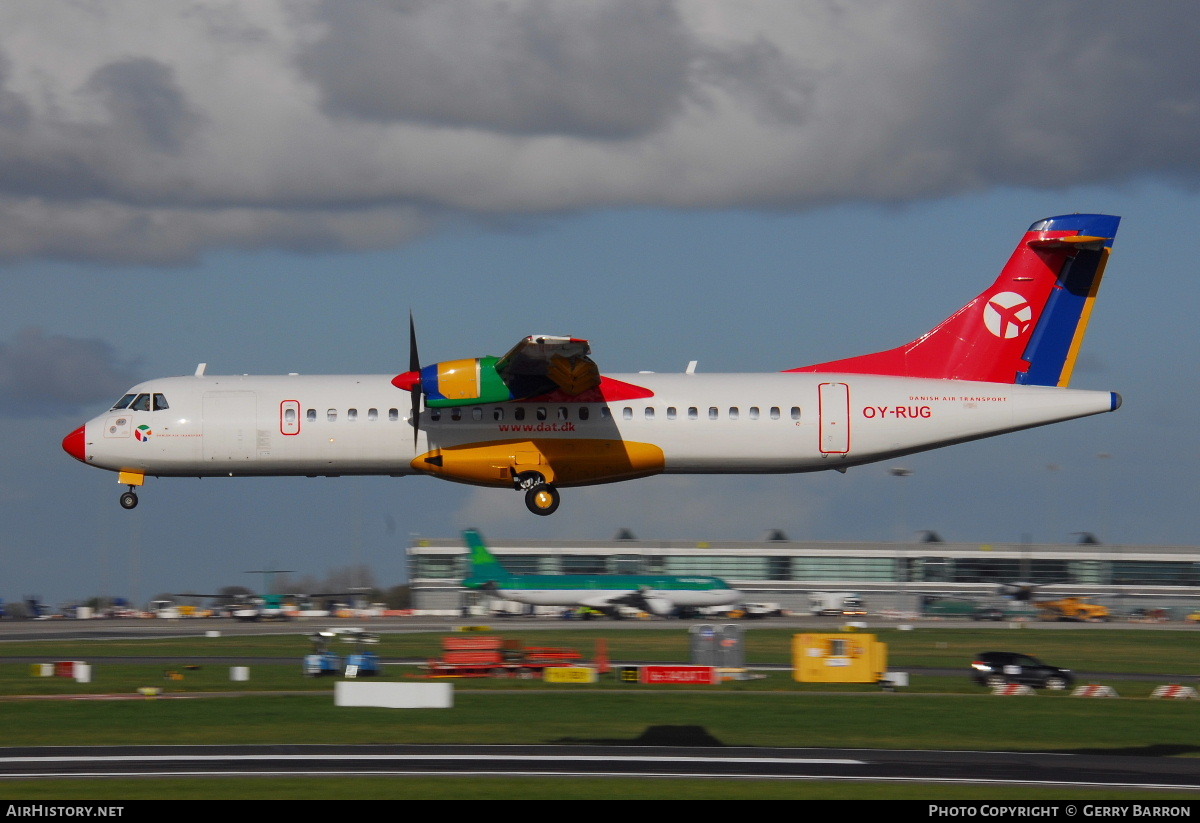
[{"x": 838, "y": 658}]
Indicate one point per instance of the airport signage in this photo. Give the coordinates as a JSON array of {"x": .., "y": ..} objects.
[
  {"x": 688, "y": 675},
  {"x": 569, "y": 674}
]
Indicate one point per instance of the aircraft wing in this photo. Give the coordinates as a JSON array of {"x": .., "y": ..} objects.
[
  {"x": 640, "y": 599},
  {"x": 541, "y": 367},
  {"x": 542, "y": 363}
]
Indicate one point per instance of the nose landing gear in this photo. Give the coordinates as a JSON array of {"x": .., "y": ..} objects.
[{"x": 133, "y": 479}]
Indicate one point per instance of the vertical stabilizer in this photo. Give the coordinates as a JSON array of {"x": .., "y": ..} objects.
[
  {"x": 483, "y": 564},
  {"x": 1027, "y": 327}
]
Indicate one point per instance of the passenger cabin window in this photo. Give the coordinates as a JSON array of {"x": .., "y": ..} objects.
[
  {"x": 754, "y": 412},
  {"x": 541, "y": 412},
  {"x": 795, "y": 412},
  {"x": 774, "y": 412},
  {"x": 626, "y": 413},
  {"x": 352, "y": 415},
  {"x": 372, "y": 415},
  {"x": 476, "y": 413},
  {"x": 713, "y": 413},
  {"x": 331, "y": 415},
  {"x": 498, "y": 413},
  {"x": 393, "y": 414},
  {"x": 519, "y": 414},
  {"x": 670, "y": 412},
  {"x": 693, "y": 413},
  {"x": 311, "y": 414},
  {"x": 649, "y": 412},
  {"x": 733, "y": 413}
]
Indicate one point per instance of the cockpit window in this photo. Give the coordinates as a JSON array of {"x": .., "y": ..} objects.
[
  {"x": 160, "y": 402},
  {"x": 123, "y": 403},
  {"x": 140, "y": 403}
]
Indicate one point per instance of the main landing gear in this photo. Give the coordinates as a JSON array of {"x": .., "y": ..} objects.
[
  {"x": 541, "y": 497},
  {"x": 129, "y": 499}
]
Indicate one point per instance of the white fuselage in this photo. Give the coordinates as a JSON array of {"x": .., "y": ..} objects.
[{"x": 703, "y": 423}]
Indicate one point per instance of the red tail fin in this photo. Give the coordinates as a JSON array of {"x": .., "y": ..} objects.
[{"x": 1025, "y": 328}]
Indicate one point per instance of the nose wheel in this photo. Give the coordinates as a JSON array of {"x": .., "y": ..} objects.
[{"x": 129, "y": 499}]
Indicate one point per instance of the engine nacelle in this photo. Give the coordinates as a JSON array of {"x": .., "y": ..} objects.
[{"x": 463, "y": 383}]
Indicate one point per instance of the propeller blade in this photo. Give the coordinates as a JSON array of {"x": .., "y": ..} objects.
[
  {"x": 414, "y": 365},
  {"x": 414, "y": 360}
]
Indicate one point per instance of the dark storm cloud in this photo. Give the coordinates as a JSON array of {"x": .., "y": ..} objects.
[
  {"x": 143, "y": 98},
  {"x": 49, "y": 375},
  {"x": 129, "y": 133},
  {"x": 1014, "y": 101},
  {"x": 599, "y": 70}
]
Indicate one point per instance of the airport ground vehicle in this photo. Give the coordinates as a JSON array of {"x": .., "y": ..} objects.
[
  {"x": 321, "y": 661},
  {"x": 988, "y": 613},
  {"x": 362, "y": 662},
  {"x": 844, "y": 604},
  {"x": 1071, "y": 608},
  {"x": 491, "y": 656},
  {"x": 1001, "y": 668}
]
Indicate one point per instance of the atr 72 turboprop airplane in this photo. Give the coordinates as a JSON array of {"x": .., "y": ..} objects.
[
  {"x": 543, "y": 418},
  {"x": 660, "y": 594}
]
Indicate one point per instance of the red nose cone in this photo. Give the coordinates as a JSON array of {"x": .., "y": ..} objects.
[
  {"x": 407, "y": 380},
  {"x": 73, "y": 444}
]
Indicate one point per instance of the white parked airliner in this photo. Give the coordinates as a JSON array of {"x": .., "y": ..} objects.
[{"x": 542, "y": 417}]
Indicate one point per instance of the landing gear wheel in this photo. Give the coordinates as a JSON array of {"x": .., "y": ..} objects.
[
  {"x": 542, "y": 499},
  {"x": 129, "y": 500}
]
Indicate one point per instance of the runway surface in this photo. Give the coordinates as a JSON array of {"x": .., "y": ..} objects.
[{"x": 989, "y": 768}]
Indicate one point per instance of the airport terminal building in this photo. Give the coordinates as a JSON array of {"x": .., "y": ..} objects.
[{"x": 888, "y": 576}]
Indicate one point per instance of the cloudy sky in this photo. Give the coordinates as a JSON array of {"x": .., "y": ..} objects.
[{"x": 269, "y": 187}]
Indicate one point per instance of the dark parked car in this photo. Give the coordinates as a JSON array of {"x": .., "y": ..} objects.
[
  {"x": 988, "y": 613},
  {"x": 1000, "y": 668}
]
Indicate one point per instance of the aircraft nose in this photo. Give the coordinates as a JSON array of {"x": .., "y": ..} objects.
[{"x": 74, "y": 444}]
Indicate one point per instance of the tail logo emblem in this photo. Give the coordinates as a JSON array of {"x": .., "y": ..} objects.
[{"x": 1007, "y": 315}]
